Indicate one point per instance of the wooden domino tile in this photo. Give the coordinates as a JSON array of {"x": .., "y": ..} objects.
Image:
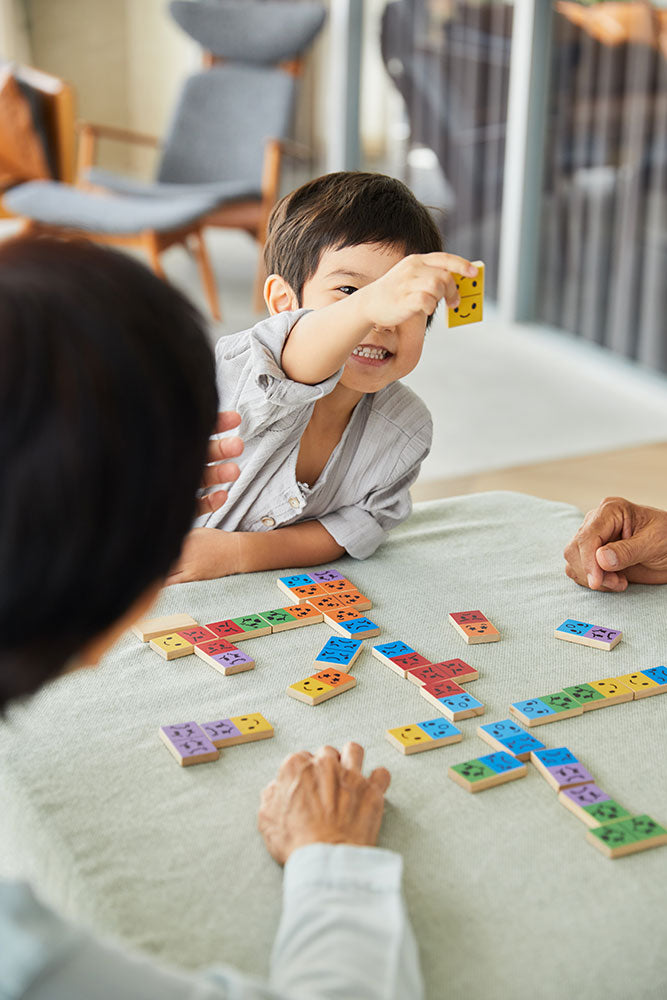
[
  {"x": 474, "y": 626},
  {"x": 323, "y": 603},
  {"x": 585, "y": 634},
  {"x": 560, "y": 768},
  {"x": 629, "y": 836},
  {"x": 424, "y": 736},
  {"x": 454, "y": 706},
  {"x": 338, "y": 651},
  {"x": 471, "y": 294},
  {"x": 284, "y": 619},
  {"x": 188, "y": 743},
  {"x": 506, "y": 735},
  {"x": 642, "y": 684},
  {"x": 487, "y": 772},
  {"x": 341, "y": 586},
  {"x": 291, "y": 583},
  {"x": 592, "y": 805},
  {"x": 321, "y": 686},
  {"x": 587, "y": 696},
  {"x": 612, "y": 690},
  {"x": 332, "y": 616},
  {"x": 238, "y": 729},
  {"x": 447, "y": 670},
  {"x": 325, "y": 575},
  {"x": 398, "y": 656},
  {"x": 225, "y": 629},
  {"x": 546, "y": 708},
  {"x": 659, "y": 675},
  {"x": 171, "y": 646},
  {"x": 224, "y": 657},
  {"x": 352, "y": 598},
  {"x": 149, "y": 628},
  {"x": 357, "y": 627},
  {"x": 252, "y": 627}
]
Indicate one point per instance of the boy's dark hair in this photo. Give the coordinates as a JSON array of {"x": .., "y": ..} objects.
[
  {"x": 107, "y": 398},
  {"x": 342, "y": 210}
]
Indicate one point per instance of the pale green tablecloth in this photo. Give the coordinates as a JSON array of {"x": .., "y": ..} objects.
[{"x": 507, "y": 898}]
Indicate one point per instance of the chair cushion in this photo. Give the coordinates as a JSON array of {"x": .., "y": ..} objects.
[
  {"x": 55, "y": 204},
  {"x": 222, "y": 191},
  {"x": 268, "y": 32}
]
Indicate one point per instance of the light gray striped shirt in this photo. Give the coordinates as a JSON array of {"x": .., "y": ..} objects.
[{"x": 362, "y": 492}]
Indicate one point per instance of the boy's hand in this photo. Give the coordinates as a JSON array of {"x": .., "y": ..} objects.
[
  {"x": 220, "y": 470},
  {"x": 206, "y": 554},
  {"x": 414, "y": 285}
]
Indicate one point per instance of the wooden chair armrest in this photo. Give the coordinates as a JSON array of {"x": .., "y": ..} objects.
[
  {"x": 119, "y": 134},
  {"x": 296, "y": 149}
]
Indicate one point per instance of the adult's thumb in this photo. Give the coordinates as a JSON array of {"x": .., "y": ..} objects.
[{"x": 626, "y": 552}]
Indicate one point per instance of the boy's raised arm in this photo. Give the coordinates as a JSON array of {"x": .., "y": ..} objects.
[{"x": 322, "y": 340}]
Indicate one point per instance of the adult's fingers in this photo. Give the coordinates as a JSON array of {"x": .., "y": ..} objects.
[
  {"x": 600, "y": 526},
  {"x": 352, "y": 756},
  {"x": 294, "y": 764},
  {"x": 380, "y": 778},
  {"x": 223, "y": 472},
  {"x": 627, "y": 552},
  {"x": 227, "y": 420},
  {"x": 220, "y": 449},
  {"x": 211, "y": 501}
]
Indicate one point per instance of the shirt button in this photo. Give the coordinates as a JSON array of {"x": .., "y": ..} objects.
[
  {"x": 294, "y": 502},
  {"x": 268, "y": 522}
]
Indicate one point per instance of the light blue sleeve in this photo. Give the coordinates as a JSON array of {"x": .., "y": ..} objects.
[
  {"x": 338, "y": 901},
  {"x": 344, "y": 931}
]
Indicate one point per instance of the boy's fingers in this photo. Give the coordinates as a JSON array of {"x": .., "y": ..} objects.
[
  {"x": 227, "y": 420},
  {"x": 450, "y": 262}
]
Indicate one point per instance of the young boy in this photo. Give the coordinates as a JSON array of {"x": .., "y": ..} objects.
[{"x": 333, "y": 440}]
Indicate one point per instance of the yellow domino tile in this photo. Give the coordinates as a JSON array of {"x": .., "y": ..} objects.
[
  {"x": 410, "y": 736},
  {"x": 311, "y": 687},
  {"x": 610, "y": 687},
  {"x": 171, "y": 646},
  {"x": 254, "y": 723},
  {"x": 639, "y": 684},
  {"x": 471, "y": 291}
]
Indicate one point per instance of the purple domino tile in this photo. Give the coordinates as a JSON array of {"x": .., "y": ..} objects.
[
  {"x": 586, "y": 795},
  {"x": 326, "y": 575},
  {"x": 570, "y": 774},
  {"x": 187, "y": 740},
  {"x": 232, "y": 658},
  {"x": 601, "y": 633},
  {"x": 183, "y": 731},
  {"x": 220, "y": 731}
]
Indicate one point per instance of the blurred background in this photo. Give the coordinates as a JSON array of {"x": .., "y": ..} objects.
[{"x": 536, "y": 132}]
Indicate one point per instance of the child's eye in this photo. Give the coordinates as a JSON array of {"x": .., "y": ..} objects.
[{"x": 346, "y": 289}]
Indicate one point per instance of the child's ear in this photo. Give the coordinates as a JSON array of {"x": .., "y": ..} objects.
[{"x": 278, "y": 295}]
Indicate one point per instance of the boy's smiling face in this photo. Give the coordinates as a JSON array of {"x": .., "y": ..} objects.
[{"x": 386, "y": 353}]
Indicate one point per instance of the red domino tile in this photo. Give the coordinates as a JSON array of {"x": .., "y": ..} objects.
[
  {"x": 455, "y": 668},
  {"x": 444, "y": 689},
  {"x": 196, "y": 635},
  {"x": 468, "y": 617},
  {"x": 216, "y": 647},
  {"x": 428, "y": 674},
  {"x": 410, "y": 660},
  {"x": 225, "y": 627}
]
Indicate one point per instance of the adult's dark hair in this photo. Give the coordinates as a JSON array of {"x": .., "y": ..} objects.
[
  {"x": 107, "y": 398},
  {"x": 342, "y": 210}
]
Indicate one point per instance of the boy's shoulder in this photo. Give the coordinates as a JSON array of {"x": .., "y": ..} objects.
[
  {"x": 399, "y": 406},
  {"x": 267, "y": 335}
]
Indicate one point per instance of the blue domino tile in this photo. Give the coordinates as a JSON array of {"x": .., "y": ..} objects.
[
  {"x": 525, "y": 743},
  {"x": 657, "y": 674},
  {"x": 573, "y": 627},
  {"x": 533, "y": 708},
  {"x": 437, "y": 728},
  {"x": 358, "y": 625},
  {"x": 298, "y": 580},
  {"x": 503, "y": 729},
  {"x": 460, "y": 702},
  {"x": 555, "y": 757},
  {"x": 500, "y": 762},
  {"x": 393, "y": 649},
  {"x": 338, "y": 650}
]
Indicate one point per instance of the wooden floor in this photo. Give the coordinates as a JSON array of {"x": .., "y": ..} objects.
[{"x": 639, "y": 473}]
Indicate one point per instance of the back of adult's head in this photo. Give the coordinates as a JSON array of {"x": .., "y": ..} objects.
[{"x": 107, "y": 397}]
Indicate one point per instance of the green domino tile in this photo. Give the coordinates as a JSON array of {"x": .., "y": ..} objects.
[
  {"x": 278, "y": 616},
  {"x": 607, "y": 812},
  {"x": 473, "y": 770},
  {"x": 644, "y": 827},
  {"x": 627, "y": 836},
  {"x": 560, "y": 701},
  {"x": 614, "y": 834},
  {"x": 583, "y": 693}
]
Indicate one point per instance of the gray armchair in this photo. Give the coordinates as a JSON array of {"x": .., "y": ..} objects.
[{"x": 220, "y": 159}]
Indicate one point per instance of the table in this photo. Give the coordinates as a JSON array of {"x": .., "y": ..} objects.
[{"x": 507, "y": 897}]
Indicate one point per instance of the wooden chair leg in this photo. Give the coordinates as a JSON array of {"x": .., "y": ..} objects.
[
  {"x": 258, "y": 302},
  {"x": 206, "y": 271},
  {"x": 150, "y": 245}
]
